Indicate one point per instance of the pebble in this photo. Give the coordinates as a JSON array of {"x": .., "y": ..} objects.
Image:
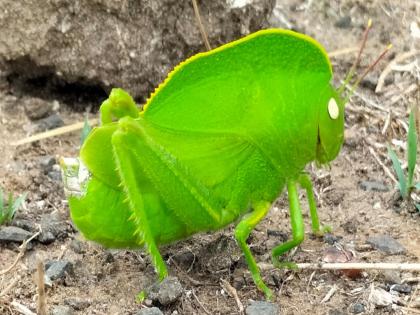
[
  {"x": 36, "y": 108},
  {"x": 50, "y": 122},
  {"x": 357, "y": 308},
  {"x": 46, "y": 162},
  {"x": 149, "y": 311},
  {"x": 77, "y": 303},
  {"x": 78, "y": 246},
  {"x": 386, "y": 244},
  {"x": 373, "y": 186},
  {"x": 62, "y": 310},
  {"x": 262, "y": 308},
  {"x": 330, "y": 239},
  {"x": 58, "y": 269},
  {"x": 370, "y": 81},
  {"x": 392, "y": 277},
  {"x": 343, "y": 22},
  {"x": 13, "y": 234},
  {"x": 401, "y": 288},
  {"x": 165, "y": 292},
  {"x": 52, "y": 227}
]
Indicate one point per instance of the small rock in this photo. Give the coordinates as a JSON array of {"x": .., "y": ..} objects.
[
  {"x": 36, "y": 108},
  {"x": 149, "y": 311},
  {"x": 27, "y": 225},
  {"x": 52, "y": 227},
  {"x": 330, "y": 239},
  {"x": 350, "y": 226},
  {"x": 78, "y": 246},
  {"x": 335, "y": 312},
  {"x": 47, "y": 162},
  {"x": 373, "y": 186},
  {"x": 262, "y": 308},
  {"x": 165, "y": 292},
  {"x": 58, "y": 269},
  {"x": 50, "y": 122},
  {"x": 343, "y": 22},
  {"x": 55, "y": 176},
  {"x": 77, "y": 303},
  {"x": 401, "y": 288},
  {"x": 380, "y": 297},
  {"x": 392, "y": 277},
  {"x": 386, "y": 244},
  {"x": 357, "y": 308},
  {"x": 62, "y": 310},
  {"x": 13, "y": 234},
  {"x": 370, "y": 81},
  {"x": 185, "y": 259}
]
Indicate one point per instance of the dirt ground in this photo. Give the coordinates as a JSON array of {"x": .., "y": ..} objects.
[{"x": 106, "y": 282}]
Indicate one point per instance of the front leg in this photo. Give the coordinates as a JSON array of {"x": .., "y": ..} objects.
[
  {"x": 127, "y": 171},
  {"x": 298, "y": 230},
  {"x": 305, "y": 183}
]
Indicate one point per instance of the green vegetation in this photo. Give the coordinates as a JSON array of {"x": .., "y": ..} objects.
[
  {"x": 85, "y": 131},
  {"x": 406, "y": 182},
  {"x": 9, "y": 208}
]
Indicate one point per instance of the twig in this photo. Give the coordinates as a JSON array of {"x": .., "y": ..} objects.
[
  {"x": 199, "y": 303},
  {"x": 200, "y": 25},
  {"x": 55, "y": 132},
  {"x": 344, "y": 51},
  {"x": 386, "y": 169},
  {"x": 9, "y": 287},
  {"x": 22, "y": 308},
  {"x": 21, "y": 253},
  {"x": 388, "y": 68},
  {"x": 330, "y": 293},
  {"x": 41, "y": 307},
  {"x": 232, "y": 292},
  {"x": 411, "y": 280},
  {"x": 345, "y": 266}
]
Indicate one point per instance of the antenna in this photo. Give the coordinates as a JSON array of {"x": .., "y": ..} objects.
[{"x": 352, "y": 70}]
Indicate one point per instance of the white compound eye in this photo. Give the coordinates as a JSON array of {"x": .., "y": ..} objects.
[{"x": 333, "y": 109}]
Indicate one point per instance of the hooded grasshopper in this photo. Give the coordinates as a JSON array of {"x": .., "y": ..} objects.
[{"x": 215, "y": 144}]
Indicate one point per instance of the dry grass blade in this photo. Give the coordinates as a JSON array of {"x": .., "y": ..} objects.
[
  {"x": 345, "y": 266},
  {"x": 232, "y": 292},
  {"x": 41, "y": 307},
  {"x": 55, "y": 132},
  {"x": 389, "y": 67},
  {"x": 200, "y": 25}
]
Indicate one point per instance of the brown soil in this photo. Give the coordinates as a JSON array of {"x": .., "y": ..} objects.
[{"x": 110, "y": 280}]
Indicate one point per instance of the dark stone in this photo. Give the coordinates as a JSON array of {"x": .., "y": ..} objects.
[
  {"x": 357, "y": 308},
  {"x": 149, "y": 311},
  {"x": 165, "y": 292},
  {"x": 386, "y": 244},
  {"x": 77, "y": 303},
  {"x": 343, "y": 22},
  {"x": 13, "y": 234},
  {"x": 374, "y": 186},
  {"x": 52, "y": 227},
  {"x": 62, "y": 310},
  {"x": 392, "y": 277},
  {"x": 47, "y": 162},
  {"x": 36, "y": 108},
  {"x": 58, "y": 269},
  {"x": 50, "y": 122},
  {"x": 402, "y": 288},
  {"x": 262, "y": 308},
  {"x": 330, "y": 239}
]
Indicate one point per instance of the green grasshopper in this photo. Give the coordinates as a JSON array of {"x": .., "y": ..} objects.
[{"x": 215, "y": 144}]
